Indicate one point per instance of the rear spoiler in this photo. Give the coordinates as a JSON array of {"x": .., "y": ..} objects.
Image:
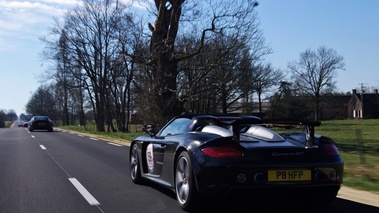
[
  {"x": 308, "y": 124},
  {"x": 293, "y": 122}
]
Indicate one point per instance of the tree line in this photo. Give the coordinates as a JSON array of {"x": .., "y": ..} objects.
[
  {"x": 9, "y": 115},
  {"x": 110, "y": 65}
]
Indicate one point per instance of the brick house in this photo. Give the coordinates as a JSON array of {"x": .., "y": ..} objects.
[
  {"x": 364, "y": 105},
  {"x": 349, "y": 106},
  {"x": 339, "y": 106}
]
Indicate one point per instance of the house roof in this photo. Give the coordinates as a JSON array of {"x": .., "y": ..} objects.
[{"x": 369, "y": 98}]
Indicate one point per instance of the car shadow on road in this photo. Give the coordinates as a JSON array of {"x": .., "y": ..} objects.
[{"x": 338, "y": 205}]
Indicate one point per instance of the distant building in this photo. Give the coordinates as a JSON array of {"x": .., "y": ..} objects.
[
  {"x": 363, "y": 105},
  {"x": 354, "y": 106}
]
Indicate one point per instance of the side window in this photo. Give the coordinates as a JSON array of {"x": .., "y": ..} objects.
[{"x": 177, "y": 126}]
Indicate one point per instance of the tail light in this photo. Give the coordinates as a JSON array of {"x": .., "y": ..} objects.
[
  {"x": 331, "y": 149},
  {"x": 224, "y": 151}
]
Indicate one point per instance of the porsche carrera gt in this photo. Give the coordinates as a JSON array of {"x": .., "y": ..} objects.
[{"x": 202, "y": 156}]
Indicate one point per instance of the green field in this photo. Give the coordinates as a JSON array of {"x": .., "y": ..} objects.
[{"x": 357, "y": 141}]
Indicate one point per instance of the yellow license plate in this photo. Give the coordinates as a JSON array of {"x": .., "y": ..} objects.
[{"x": 289, "y": 175}]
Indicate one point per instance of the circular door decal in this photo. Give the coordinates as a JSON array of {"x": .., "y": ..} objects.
[{"x": 150, "y": 157}]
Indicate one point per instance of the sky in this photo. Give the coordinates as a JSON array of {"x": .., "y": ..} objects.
[{"x": 289, "y": 27}]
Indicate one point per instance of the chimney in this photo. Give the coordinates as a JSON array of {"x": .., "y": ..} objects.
[
  {"x": 376, "y": 91},
  {"x": 354, "y": 91}
]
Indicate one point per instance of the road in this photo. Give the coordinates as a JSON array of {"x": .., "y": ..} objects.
[{"x": 68, "y": 172}]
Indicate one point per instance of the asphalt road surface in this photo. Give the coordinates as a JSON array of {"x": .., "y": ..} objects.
[{"x": 59, "y": 171}]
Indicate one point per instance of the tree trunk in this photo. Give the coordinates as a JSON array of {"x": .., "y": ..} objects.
[{"x": 164, "y": 65}]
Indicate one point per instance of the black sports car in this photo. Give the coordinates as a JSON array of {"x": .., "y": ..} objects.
[
  {"x": 40, "y": 122},
  {"x": 202, "y": 156}
]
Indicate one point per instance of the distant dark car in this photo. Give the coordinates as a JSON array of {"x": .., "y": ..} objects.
[
  {"x": 208, "y": 156},
  {"x": 25, "y": 124},
  {"x": 40, "y": 122}
]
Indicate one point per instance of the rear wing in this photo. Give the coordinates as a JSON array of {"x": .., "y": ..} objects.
[
  {"x": 237, "y": 122},
  {"x": 307, "y": 124}
]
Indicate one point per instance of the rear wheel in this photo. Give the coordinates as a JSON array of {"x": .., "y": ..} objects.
[
  {"x": 135, "y": 170},
  {"x": 185, "y": 189}
]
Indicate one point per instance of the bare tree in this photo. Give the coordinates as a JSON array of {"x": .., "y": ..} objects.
[
  {"x": 315, "y": 72},
  {"x": 227, "y": 75},
  {"x": 97, "y": 44},
  {"x": 42, "y": 102},
  {"x": 66, "y": 74},
  {"x": 264, "y": 78},
  {"x": 212, "y": 81},
  {"x": 204, "y": 17},
  {"x": 94, "y": 37}
]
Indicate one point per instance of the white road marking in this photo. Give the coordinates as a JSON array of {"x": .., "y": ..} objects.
[
  {"x": 33, "y": 136},
  {"x": 95, "y": 139},
  {"x": 42, "y": 147},
  {"x": 114, "y": 144},
  {"x": 90, "y": 199}
]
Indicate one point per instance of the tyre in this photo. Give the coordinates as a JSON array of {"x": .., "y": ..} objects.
[
  {"x": 134, "y": 165},
  {"x": 185, "y": 189}
]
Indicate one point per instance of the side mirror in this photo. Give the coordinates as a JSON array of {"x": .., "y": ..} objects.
[{"x": 149, "y": 129}]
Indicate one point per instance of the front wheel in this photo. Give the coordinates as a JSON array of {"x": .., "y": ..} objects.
[
  {"x": 134, "y": 166},
  {"x": 185, "y": 189}
]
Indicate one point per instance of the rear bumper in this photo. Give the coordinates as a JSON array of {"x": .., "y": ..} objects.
[
  {"x": 49, "y": 128},
  {"x": 325, "y": 181}
]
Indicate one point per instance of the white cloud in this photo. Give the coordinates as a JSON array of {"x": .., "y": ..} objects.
[
  {"x": 63, "y": 2},
  {"x": 27, "y": 20},
  {"x": 34, "y": 7}
]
